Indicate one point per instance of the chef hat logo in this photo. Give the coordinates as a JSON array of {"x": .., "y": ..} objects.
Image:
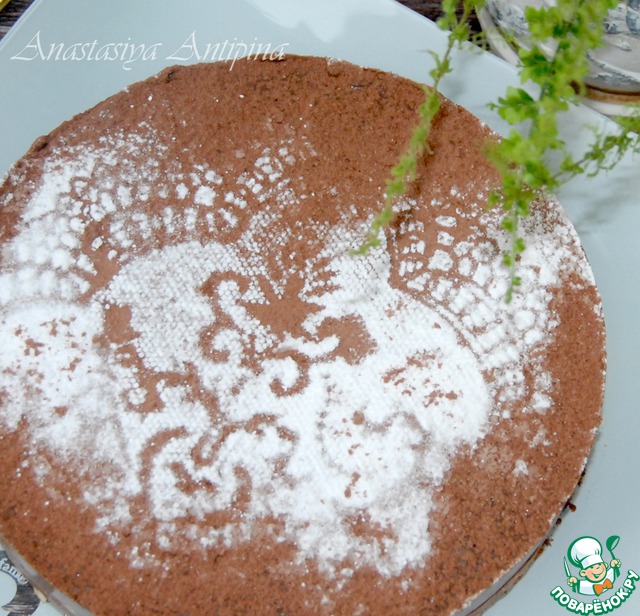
[{"x": 585, "y": 552}]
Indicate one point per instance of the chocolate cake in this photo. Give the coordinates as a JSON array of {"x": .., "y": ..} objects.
[{"x": 211, "y": 406}]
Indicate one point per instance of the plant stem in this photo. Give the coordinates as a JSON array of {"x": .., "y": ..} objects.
[
  {"x": 405, "y": 170},
  {"x": 577, "y": 26}
]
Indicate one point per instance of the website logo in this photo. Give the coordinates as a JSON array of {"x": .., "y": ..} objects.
[{"x": 594, "y": 578}]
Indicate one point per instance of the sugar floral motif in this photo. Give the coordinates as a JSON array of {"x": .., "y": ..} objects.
[
  {"x": 310, "y": 432},
  {"x": 237, "y": 413}
]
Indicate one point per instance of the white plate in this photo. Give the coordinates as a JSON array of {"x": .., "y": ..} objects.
[{"x": 38, "y": 94}]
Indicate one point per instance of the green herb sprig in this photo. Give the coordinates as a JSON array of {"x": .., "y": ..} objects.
[
  {"x": 405, "y": 169},
  {"x": 522, "y": 158}
]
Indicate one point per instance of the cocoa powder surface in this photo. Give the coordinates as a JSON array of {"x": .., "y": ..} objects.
[{"x": 346, "y": 127}]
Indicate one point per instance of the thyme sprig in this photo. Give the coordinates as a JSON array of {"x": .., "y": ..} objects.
[
  {"x": 606, "y": 150},
  {"x": 405, "y": 169},
  {"x": 522, "y": 157}
]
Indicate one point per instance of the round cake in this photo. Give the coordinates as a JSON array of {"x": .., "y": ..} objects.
[{"x": 209, "y": 405}]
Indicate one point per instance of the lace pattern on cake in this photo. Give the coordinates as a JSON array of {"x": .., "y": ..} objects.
[{"x": 167, "y": 324}]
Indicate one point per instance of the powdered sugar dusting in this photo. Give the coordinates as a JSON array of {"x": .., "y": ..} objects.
[{"x": 298, "y": 424}]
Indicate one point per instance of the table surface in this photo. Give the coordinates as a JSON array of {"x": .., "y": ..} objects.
[{"x": 10, "y": 13}]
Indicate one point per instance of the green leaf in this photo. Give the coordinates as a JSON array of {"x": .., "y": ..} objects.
[
  {"x": 517, "y": 106},
  {"x": 535, "y": 65}
]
